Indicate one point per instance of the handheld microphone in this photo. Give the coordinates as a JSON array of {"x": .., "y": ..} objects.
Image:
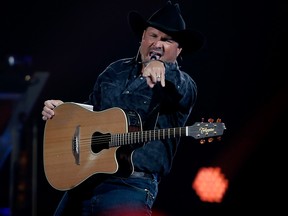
[{"x": 155, "y": 57}]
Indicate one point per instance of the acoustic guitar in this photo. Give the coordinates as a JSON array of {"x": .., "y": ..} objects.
[{"x": 79, "y": 142}]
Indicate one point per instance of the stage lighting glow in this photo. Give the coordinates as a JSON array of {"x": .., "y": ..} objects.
[{"x": 210, "y": 184}]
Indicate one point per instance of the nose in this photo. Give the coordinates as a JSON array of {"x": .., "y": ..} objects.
[{"x": 158, "y": 43}]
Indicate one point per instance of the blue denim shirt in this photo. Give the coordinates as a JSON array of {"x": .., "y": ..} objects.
[{"x": 121, "y": 85}]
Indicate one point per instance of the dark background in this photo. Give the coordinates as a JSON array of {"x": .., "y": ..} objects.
[{"x": 241, "y": 77}]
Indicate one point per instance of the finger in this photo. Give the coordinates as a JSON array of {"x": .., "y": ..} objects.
[
  {"x": 150, "y": 82},
  {"x": 56, "y": 103},
  {"x": 48, "y": 111},
  {"x": 52, "y": 103},
  {"x": 49, "y": 104},
  {"x": 162, "y": 81}
]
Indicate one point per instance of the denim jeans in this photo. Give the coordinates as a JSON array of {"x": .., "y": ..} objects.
[{"x": 133, "y": 196}]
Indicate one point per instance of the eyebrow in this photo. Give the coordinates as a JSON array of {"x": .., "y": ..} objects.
[{"x": 165, "y": 37}]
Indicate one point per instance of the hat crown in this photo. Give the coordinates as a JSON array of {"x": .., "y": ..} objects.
[
  {"x": 169, "y": 20},
  {"x": 169, "y": 17}
]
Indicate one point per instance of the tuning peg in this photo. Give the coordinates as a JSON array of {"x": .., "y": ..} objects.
[
  {"x": 218, "y": 120},
  {"x": 219, "y": 138},
  {"x": 210, "y": 140}
]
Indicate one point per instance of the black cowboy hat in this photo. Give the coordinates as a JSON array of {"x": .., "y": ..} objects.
[{"x": 169, "y": 20}]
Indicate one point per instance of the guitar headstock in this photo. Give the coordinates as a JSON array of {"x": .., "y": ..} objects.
[{"x": 207, "y": 130}]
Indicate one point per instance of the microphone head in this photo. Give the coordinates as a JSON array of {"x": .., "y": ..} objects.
[{"x": 155, "y": 56}]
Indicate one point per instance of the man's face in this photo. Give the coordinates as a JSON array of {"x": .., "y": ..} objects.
[{"x": 156, "y": 43}]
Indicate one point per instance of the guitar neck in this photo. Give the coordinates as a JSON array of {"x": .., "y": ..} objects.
[
  {"x": 145, "y": 136},
  {"x": 198, "y": 130}
]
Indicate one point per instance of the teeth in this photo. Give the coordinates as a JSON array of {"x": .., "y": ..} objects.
[{"x": 155, "y": 54}]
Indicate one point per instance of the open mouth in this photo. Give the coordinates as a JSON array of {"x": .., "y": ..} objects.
[{"x": 155, "y": 55}]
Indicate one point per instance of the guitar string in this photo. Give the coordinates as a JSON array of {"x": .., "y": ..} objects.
[
  {"x": 131, "y": 137},
  {"x": 134, "y": 137}
]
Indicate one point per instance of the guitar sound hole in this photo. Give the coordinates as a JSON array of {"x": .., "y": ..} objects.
[{"x": 100, "y": 141}]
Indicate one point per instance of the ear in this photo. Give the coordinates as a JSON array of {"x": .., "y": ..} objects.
[
  {"x": 179, "y": 50},
  {"x": 143, "y": 34}
]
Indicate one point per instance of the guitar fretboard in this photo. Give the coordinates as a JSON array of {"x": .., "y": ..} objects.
[{"x": 145, "y": 136}]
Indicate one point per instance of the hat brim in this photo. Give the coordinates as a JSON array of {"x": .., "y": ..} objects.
[{"x": 190, "y": 40}]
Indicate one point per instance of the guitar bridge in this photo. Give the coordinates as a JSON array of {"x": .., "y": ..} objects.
[{"x": 76, "y": 146}]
